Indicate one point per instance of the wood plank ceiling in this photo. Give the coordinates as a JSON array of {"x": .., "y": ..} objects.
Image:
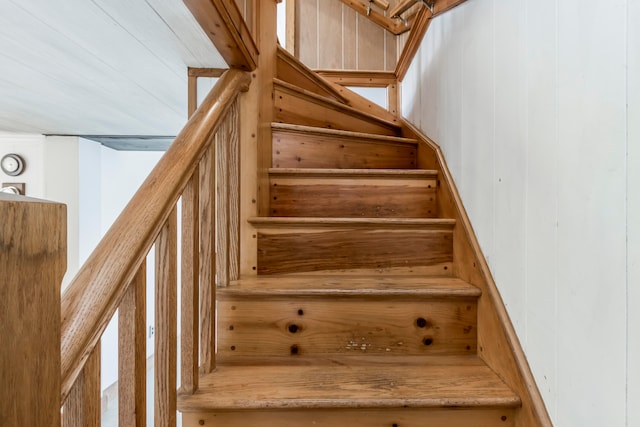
[{"x": 98, "y": 67}]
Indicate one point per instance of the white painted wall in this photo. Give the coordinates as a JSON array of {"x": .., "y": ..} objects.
[
  {"x": 51, "y": 173},
  {"x": 528, "y": 100}
]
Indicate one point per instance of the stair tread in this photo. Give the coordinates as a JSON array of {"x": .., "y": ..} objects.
[
  {"x": 352, "y": 222},
  {"x": 286, "y": 285},
  {"x": 342, "y": 133},
  {"x": 387, "y": 173},
  {"x": 335, "y": 104},
  {"x": 345, "y": 385}
]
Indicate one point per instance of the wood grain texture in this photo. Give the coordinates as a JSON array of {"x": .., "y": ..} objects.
[
  {"x": 207, "y": 262},
  {"x": 132, "y": 351},
  {"x": 296, "y": 106},
  {"x": 221, "y": 211},
  {"x": 391, "y": 195},
  {"x": 288, "y": 285},
  {"x": 249, "y": 112},
  {"x": 305, "y": 147},
  {"x": 292, "y": 70},
  {"x": 361, "y": 418},
  {"x": 498, "y": 343},
  {"x": 234, "y": 191},
  {"x": 307, "y": 32},
  {"x": 286, "y": 248},
  {"x": 359, "y": 78},
  {"x": 33, "y": 260},
  {"x": 370, "y": 42},
  {"x": 223, "y": 23},
  {"x": 166, "y": 324},
  {"x": 290, "y": 43},
  {"x": 266, "y": 72},
  {"x": 361, "y": 103},
  {"x": 420, "y": 26},
  {"x": 92, "y": 298},
  {"x": 330, "y": 39},
  {"x": 190, "y": 285},
  {"x": 82, "y": 406},
  {"x": 329, "y": 36},
  {"x": 365, "y": 324},
  {"x": 343, "y": 386}
]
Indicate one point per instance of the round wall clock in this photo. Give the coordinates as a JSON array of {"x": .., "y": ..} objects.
[{"x": 12, "y": 164}]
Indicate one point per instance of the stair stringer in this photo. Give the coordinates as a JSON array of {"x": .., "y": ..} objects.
[{"x": 498, "y": 344}]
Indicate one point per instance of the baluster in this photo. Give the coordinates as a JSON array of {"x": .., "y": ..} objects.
[
  {"x": 222, "y": 202},
  {"x": 165, "y": 324},
  {"x": 234, "y": 192},
  {"x": 82, "y": 407},
  {"x": 132, "y": 351},
  {"x": 207, "y": 262},
  {"x": 190, "y": 269}
]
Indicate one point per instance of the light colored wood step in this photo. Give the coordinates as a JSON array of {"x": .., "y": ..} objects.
[
  {"x": 307, "y": 285},
  {"x": 354, "y": 245},
  {"x": 296, "y": 146},
  {"x": 405, "y": 417},
  {"x": 298, "y": 106},
  {"x": 346, "y": 316},
  {"x": 403, "y": 193},
  {"x": 291, "y": 70},
  {"x": 347, "y": 386}
]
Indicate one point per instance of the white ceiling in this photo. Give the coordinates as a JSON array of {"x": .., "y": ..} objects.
[{"x": 98, "y": 67}]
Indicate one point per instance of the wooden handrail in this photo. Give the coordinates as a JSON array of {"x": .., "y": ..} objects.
[{"x": 95, "y": 293}]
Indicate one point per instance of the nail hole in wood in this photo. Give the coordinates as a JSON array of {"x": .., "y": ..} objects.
[
  {"x": 294, "y": 328},
  {"x": 201, "y": 422},
  {"x": 421, "y": 322},
  {"x": 231, "y": 328},
  {"x": 233, "y": 348},
  {"x": 394, "y": 425},
  {"x": 294, "y": 349},
  {"x": 428, "y": 341},
  {"x": 503, "y": 418},
  {"x": 300, "y": 312}
]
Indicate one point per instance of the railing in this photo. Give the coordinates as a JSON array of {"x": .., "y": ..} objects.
[{"x": 113, "y": 278}]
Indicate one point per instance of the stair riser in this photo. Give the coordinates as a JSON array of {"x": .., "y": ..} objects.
[
  {"x": 302, "y": 327},
  {"x": 298, "y": 150},
  {"x": 292, "y": 107},
  {"x": 373, "y": 198},
  {"x": 406, "y": 417},
  {"x": 351, "y": 250}
]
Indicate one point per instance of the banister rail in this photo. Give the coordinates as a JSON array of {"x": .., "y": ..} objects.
[{"x": 90, "y": 301}]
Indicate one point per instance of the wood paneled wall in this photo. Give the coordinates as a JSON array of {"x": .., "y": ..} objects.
[{"x": 331, "y": 35}]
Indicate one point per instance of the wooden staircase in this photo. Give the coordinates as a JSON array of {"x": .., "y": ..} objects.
[{"x": 354, "y": 317}]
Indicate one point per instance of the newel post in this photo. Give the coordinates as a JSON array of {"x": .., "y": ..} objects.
[{"x": 33, "y": 260}]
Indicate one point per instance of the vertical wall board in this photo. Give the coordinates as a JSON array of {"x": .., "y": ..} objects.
[
  {"x": 562, "y": 175},
  {"x": 591, "y": 215},
  {"x": 350, "y": 38},
  {"x": 633, "y": 214},
  {"x": 453, "y": 88},
  {"x": 541, "y": 171},
  {"x": 510, "y": 155},
  {"x": 410, "y": 99},
  {"x": 391, "y": 51},
  {"x": 477, "y": 127},
  {"x": 307, "y": 32},
  {"x": 370, "y": 41},
  {"x": 330, "y": 32}
]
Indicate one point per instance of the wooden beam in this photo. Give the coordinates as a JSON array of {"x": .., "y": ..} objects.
[
  {"x": 413, "y": 43},
  {"x": 205, "y": 72},
  {"x": 223, "y": 23},
  {"x": 401, "y": 7},
  {"x": 388, "y": 24}
]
